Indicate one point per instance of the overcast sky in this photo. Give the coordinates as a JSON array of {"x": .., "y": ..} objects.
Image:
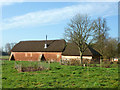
[{"x": 33, "y": 20}]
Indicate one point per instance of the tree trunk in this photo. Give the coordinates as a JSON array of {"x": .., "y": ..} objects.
[{"x": 80, "y": 57}]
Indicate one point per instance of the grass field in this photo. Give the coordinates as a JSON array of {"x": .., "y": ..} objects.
[
  {"x": 4, "y": 57},
  {"x": 59, "y": 76}
]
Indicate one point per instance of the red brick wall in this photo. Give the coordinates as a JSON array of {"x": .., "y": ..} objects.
[
  {"x": 52, "y": 56},
  {"x": 34, "y": 56}
]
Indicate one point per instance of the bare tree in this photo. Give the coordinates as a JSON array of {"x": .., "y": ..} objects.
[
  {"x": 8, "y": 47},
  {"x": 1, "y": 51},
  {"x": 101, "y": 34},
  {"x": 111, "y": 48},
  {"x": 119, "y": 50},
  {"x": 80, "y": 31}
]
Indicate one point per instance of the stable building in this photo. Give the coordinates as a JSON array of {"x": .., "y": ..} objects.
[
  {"x": 50, "y": 50},
  {"x": 72, "y": 52}
]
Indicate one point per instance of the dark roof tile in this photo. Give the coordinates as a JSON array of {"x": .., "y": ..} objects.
[
  {"x": 72, "y": 50},
  {"x": 52, "y": 46},
  {"x": 38, "y": 46}
]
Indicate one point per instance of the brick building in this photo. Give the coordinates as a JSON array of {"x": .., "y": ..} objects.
[{"x": 53, "y": 50}]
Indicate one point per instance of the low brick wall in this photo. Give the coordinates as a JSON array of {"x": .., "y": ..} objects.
[{"x": 36, "y": 56}]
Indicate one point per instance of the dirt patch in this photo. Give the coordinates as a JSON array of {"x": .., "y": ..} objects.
[{"x": 29, "y": 69}]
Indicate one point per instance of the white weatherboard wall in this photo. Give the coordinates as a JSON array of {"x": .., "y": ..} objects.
[{"x": 76, "y": 57}]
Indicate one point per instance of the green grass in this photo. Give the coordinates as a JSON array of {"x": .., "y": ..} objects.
[
  {"x": 59, "y": 76},
  {"x": 4, "y": 57}
]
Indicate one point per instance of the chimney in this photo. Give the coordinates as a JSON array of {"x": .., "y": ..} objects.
[{"x": 46, "y": 42}]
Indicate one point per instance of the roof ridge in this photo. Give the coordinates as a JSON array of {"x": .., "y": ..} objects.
[{"x": 41, "y": 40}]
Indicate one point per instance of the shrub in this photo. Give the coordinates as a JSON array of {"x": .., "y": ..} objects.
[
  {"x": 74, "y": 62},
  {"x": 31, "y": 66},
  {"x": 118, "y": 62},
  {"x": 111, "y": 62},
  {"x": 86, "y": 61}
]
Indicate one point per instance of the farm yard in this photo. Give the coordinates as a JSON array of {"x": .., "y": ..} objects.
[
  {"x": 60, "y": 76},
  {"x": 60, "y": 45}
]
